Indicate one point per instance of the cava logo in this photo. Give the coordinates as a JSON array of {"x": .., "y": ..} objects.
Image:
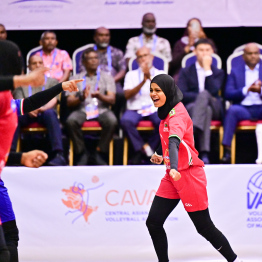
[
  {"x": 254, "y": 194},
  {"x": 78, "y": 198}
]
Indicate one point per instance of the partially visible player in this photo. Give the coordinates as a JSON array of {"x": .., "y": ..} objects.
[{"x": 185, "y": 178}]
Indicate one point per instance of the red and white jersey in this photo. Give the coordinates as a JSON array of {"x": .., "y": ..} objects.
[
  {"x": 8, "y": 124},
  {"x": 179, "y": 124}
]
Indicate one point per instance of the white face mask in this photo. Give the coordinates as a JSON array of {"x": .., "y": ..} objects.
[
  {"x": 149, "y": 31},
  {"x": 103, "y": 45}
]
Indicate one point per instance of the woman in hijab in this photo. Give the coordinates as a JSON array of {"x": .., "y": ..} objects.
[{"x": 183, "y": 170}]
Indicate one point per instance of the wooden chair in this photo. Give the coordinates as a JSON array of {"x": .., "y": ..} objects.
[
  {"x": 148, "y": 126},
  {"x": 245, "y": 125},
  {"x": 34, "y": 127},
  {"x": 142, "y": 126},
  {"x": 217, "y": 126},
  {"x": 89, "y": 126}
]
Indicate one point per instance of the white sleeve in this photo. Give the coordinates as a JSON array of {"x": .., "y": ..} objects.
[{"x": 129, "y": 83}]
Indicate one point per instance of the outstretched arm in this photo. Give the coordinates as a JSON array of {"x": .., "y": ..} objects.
[{"x": 41, "y": 98}]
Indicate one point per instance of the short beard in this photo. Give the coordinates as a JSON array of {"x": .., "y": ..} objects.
[
  {"x": 149, "y": 31},
  {"x": 103, "y": 45}
]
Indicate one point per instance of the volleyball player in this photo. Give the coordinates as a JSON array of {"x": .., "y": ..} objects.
[{"x": 185, "y": 178}]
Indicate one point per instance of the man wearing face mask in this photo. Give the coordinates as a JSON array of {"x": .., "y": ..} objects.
[{"x": 148, "y": 38}]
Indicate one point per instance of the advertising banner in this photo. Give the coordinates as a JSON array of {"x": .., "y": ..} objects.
[
  {"x": 87, "y": 14},
  {"x": 99, "y": 213}
]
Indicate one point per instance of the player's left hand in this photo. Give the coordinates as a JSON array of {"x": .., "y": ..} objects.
[
  {"x": 34, "y": 158},
  {"x": 175, "y": 174},
  {"x": 71, "y": 85}
]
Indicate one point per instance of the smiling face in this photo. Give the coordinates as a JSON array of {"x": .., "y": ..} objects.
[{"x": 157, "y": 95}]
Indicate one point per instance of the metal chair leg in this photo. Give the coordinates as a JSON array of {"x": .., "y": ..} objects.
[
  {"x": 125, "y": 153},
  {"x": 233, "y": 150},
  {"x": 111, "y": 152},
  {"x": 71, "y": 153}
]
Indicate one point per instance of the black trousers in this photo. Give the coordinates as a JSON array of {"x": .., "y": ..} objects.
[
  {"x": 160, "y": 210},
  {"x": 4, "y": 253}
]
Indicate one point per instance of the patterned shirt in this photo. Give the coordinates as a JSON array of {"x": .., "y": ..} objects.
[
  {"x": 106, "y": 84},
  {"x": 57, "y": 61},
  {"x": 158, "y": 45},
  {"x": 117, "y": 58}
]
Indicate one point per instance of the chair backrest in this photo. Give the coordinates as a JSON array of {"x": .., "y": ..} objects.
[
  {"x": 190, "y": 59},
  {"x": 241, "y": 48},
  {"x": 159, "y": 62},
  {"x": 77, "y": 58},
  {"x": 30, "y": 53},
  {"x": 235, "y": 59}
]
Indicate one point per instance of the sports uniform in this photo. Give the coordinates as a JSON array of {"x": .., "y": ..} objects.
[
  {"x": 179, "y": 153},
  {"x": 193, "y": 180},
  {"x": 9, "y": 109}
]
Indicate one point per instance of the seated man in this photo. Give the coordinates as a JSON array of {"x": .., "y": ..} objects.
[
  {"x": 45, "y": 115},
  {"x": 148, "y": 38},
  {"x": 57, "y": 60},
  {"x": 111, "y": 60},
  {"x": 243, "y": 88},
  {"x": 140, "y": 106},
  {"x": 200, "y": 84},
  {"x": 96, "y": 94}
]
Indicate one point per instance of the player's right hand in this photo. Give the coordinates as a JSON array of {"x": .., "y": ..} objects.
[{"x": 156, "y": 159}]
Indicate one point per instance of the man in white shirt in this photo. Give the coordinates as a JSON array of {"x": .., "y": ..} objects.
[
  {"x": 200, "y": 84},
  {"x": 140, "y": 106},
  {"x": 148, "y": 38},
  {"x": 243, "y": 88}
]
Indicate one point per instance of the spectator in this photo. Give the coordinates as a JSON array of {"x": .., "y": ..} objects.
[
  {"x": 193, "y": 32},
  {"x": 243, "y": 88},
  {"x": 200, "y": 84},
  {"x": 57, "y": 60},
  {"x": 111, "y": 60},
  {"x": 148, "y": 38},
  {"x": 45, "y": 115},
  {"x": 93, "y": 100},
  {"x": 3, "y": 33},
  {"x": 140, "y": 106}
]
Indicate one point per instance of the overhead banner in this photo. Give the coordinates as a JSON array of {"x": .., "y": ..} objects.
[
  {"x": 99, "y": 213},
  {"x": 90, "y": 14}
]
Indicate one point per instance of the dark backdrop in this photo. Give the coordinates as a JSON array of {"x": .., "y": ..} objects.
[{"x": 226, "y": 39}]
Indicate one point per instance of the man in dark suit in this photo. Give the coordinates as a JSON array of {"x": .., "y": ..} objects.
[
  {"x": 200, "y": 84},
  {"x": 243, "y": 88}
]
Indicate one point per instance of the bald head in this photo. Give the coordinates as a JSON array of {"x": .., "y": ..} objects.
[
  {"x": 149, "y": 23},
  {"x": 251, "y": 54},
  {"x": 102, "y": 37},
  {"x": 143, "y": 55}
]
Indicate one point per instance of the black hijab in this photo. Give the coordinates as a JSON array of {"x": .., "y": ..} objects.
[
  {"x": 172, "y": 92},
  {"x": 11, "y": 62}
]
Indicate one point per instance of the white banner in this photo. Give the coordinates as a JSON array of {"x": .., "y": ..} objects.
[
  {"x": 90, "y": 14},
  {"x": 98, "y": 213}
]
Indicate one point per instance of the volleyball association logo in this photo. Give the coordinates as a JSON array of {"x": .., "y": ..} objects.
[
  {"x": 78, "y": 198},
  {"x": 254, "y": 194}
]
